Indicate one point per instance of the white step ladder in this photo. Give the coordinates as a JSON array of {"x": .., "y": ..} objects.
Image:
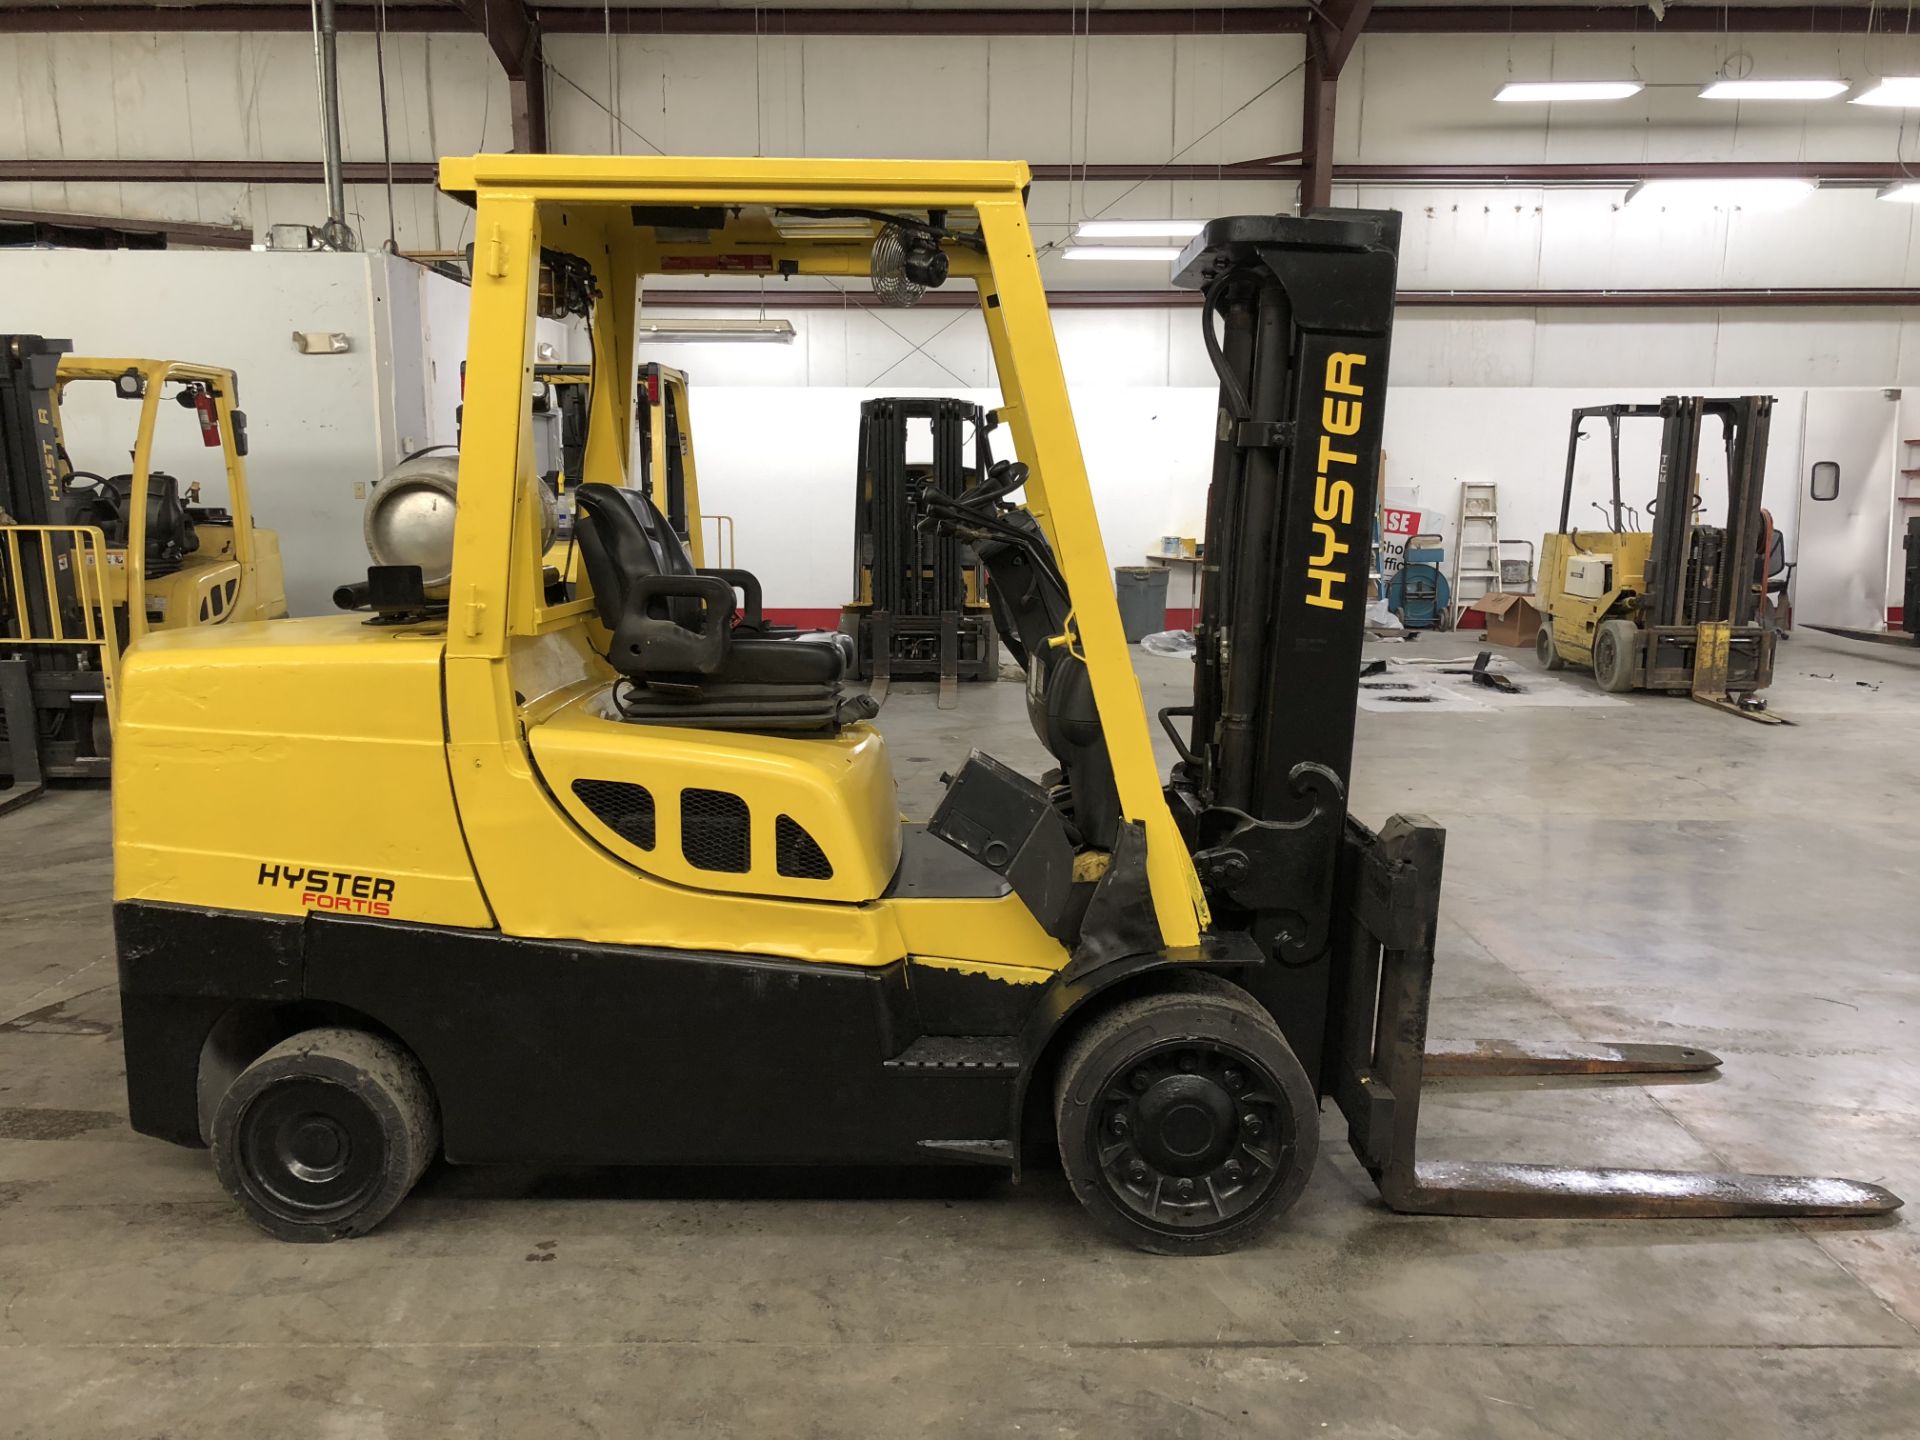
[{"x": 1476, "y": 547}]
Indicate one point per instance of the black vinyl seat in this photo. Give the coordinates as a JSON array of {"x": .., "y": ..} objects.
[
  {"x": 676, "y": 636},
  {"x": 170, "y": 533}
]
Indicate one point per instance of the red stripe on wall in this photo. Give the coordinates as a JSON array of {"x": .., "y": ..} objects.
[{"x": 805, "y": 619}]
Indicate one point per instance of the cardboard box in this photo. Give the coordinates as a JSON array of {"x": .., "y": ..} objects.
[{"x": 1511, "y": 619}]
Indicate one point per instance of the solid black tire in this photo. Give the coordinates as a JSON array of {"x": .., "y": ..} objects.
[
  {"x": 1544, "y": 650},
  {"x": 1208, "y": 1010},
  {"x": 365, "y": 1079},
  {"x": 1613, "y": 646}
]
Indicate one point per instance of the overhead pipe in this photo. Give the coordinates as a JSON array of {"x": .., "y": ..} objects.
[
  {"x": 336, "y": 234},
  {"x": 1858, "y": 297},
  {"x": 1443, "y": 19}
]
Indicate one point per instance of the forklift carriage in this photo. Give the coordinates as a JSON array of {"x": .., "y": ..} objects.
[{"x": 613, "y": 872}]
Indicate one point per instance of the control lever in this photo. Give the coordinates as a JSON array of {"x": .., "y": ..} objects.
[
  {"x": 1003, "y": 478},
  {"x": 941, "y": 513}
]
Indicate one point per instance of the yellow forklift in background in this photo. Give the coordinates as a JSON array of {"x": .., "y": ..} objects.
[
  {"x": 1683, "y": 606},
  {"x": 562, "y": 419},
  {"x": 611, "y": 871},
  {"x": 91, "y": 560}
]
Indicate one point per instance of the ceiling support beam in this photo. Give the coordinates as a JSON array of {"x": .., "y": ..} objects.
[
  {"x": 174, "y": 232},
  {"x": 1331, "y": 35},
  {"x": 46, "y": 17},
  {"x": 513, "y": 32}
]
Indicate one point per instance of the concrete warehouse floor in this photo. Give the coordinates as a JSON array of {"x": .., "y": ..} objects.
[{"x": 1649, "y": 870}]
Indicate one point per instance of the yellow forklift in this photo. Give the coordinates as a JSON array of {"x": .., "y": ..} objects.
[
  {"x": 562, "y": 414},
  {"x": 92, "y": 560},
  {"x": 613, "y": 872},
  {"x": 1683, "y": 606}
]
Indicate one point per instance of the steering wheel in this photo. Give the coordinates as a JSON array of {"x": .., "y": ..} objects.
[{"x": 94, "y": 482}]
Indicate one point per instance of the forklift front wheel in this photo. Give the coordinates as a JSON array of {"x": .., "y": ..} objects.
[
  {"x": 1544, "y": 650},
  {"x": 1613, "y": 647},
  {"x": 1186, "y": 1126},
  {"x": 324, "y": 1134}
]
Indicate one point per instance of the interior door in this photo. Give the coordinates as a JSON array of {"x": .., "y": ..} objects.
[{"x": 1842, "y": 550}]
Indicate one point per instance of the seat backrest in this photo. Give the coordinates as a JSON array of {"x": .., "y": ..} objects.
[
  {"x": 100, "y": 505},
  {"x": 623, "y": 537},
  {"x": 170, "y": 535}
]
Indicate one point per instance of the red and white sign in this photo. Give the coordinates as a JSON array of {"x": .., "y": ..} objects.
[{"x": 1397, "y": 527}]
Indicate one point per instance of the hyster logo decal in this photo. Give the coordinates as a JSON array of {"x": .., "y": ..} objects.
[
  {"x": 1332, "y": 492},
  {"x": 333, "y": 889}
]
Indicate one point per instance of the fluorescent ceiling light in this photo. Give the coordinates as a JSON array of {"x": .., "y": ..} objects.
[
  {"x": 1568, "y": 90},
  {"x": 1168, "y": 253},
  {"x": 1774, "y": 90},
  {"x": 1892, "y": 90},
  {"x": 1907, "y": 192},
  {"x": 705, "y": 332},
  {"x": 1727, "y": 194},
  {"x": 1137, "y": 229}
]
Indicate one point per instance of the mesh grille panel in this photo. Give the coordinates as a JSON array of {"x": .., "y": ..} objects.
[
  {"x": 713, "y": 831},
  {"x": 627, "y": 810},
  {"x": 798, "y": 854}
]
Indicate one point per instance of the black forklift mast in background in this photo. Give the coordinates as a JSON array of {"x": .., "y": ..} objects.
[
  {"x": 1298, "y": 318},
  {"x": 919, "y": 608},
  {"x": 39, "y": 598},
  {"x": 1708, "y": 574}
]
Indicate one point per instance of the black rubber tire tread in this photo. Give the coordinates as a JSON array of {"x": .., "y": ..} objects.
[
  {"x": 377, "y": 1070},
  {"x": 1193, "y": 1003},
  {"x": 1545, "y": 651},
  {"x": 1616, "y": 678}
]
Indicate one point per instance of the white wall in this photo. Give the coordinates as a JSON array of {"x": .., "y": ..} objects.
[
  {"x": 322, "y": 429},
  {"x": 1149, "y": 451}
]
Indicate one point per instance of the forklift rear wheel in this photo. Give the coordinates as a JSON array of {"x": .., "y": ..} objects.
[
  {"x": 1186, "y": 1126},
  {"x": 1545, "y": 651},
  {"x": 1613, "y": 646},
  {"x": 324, "y": 1134}
]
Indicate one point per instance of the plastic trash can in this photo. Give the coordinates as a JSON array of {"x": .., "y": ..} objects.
[{"x": 1142, "y": 592}]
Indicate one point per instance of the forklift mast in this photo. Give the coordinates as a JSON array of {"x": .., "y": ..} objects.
[
  {"x": 1705, "y": 574},
  {"x": 1304, "y": 313},
  {"x": 919, "y": 606},
  {"x": 30, "y": 490},
  {"x": 908, "y": 571},
  {"x": 39, "y": 574}
]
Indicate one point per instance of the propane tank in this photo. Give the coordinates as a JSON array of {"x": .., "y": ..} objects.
[{"x": 409, "y": 520}]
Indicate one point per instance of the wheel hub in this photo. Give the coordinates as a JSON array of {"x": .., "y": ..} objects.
[
  {"x": 1186, "y": 1124},
  {"x": 317, "y": 1148},
  {"x": 1192, "y": 1135},
  {"x": 310, "y": 1150}
]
